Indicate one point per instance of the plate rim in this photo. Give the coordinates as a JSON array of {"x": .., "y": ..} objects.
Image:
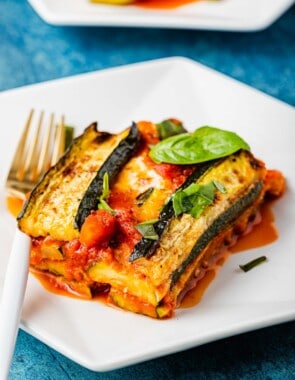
[
  {"x": 101, "y": 368},
  {"x": 258, "y": 24},
  {"x": 177, "y": 59}
]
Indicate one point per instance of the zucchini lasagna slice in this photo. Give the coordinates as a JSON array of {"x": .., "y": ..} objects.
[{"x": 110, "y": 218}]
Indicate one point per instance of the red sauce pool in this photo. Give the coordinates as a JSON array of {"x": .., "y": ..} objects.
[
  {"x": 262, "y": 234},
  {"x": 163, "y": 4}
]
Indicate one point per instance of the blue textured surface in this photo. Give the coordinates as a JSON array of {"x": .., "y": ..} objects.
[{"x": 32, "y": 51}]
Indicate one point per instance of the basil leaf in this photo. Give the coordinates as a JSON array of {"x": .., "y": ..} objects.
[
  {"x": 178, "y": 202},
  {"x": 208, "y": 191},
  {"x": 199, "y": 206},
  {"x": 169, "y": 127},
  {"x": 147, "y": 229},
  {"x": 205, "y": 144},
  {"x": 194, "y": 199}
]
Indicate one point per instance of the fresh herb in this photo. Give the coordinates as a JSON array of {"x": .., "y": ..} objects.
[
  {"x": 169, "y": 127},
  {"x": 205, "y": 144},
  {"x": 219, "y": 186},
  {"x": 102, "y": 204},
  {"x": 251, "y": 264},
  {"x": 147, "y": 229},
  {"x": 141, "y": 198},
  {"x": 69, "y": 135},
  {"x": 195, "y": 198}
]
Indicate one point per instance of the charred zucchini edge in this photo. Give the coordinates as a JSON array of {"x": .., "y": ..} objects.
[
  {"x": 147, "y": 247},
  {"x": 112, "y": 165},
  {"x": 218, "y": 225},
  {"x": 60, "y": 163}
]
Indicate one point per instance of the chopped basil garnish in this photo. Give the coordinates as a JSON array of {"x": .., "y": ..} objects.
[
  {"x": 147, "y": 229},
  {"x": 102, "y": 204},
  {"x": 219, "y": 186},
  {"x": 169, "y": 127},
  {"x": 253, "y": 263},
  {"x": 195, "y": 198},
  {"x": 205, "y": 144},
  {"x": 141, "y": 198}
]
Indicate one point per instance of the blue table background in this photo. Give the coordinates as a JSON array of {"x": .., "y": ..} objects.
[{"x": 32, "y": 51}]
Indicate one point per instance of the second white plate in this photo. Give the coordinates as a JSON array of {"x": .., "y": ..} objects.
[{"x": 230, "y": 15}]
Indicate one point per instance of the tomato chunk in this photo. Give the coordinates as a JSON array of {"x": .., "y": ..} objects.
[
  {"x": 276, "y": 184},
  {"x": 98, "y": 228}
]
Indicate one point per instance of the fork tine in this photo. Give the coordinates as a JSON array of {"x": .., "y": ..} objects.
[
  {"x": 44, "y": 162},
  {"x": 31, "y": 157},
  {"x": 37, "y": 150},
  {"x": 17, "y": 164}
]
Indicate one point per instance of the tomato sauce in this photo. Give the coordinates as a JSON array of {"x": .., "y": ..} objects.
[
  {"x": 50, "y": 283},
  {"x": 175, "y": 173},
  {"x": 155, "y": 4},
  {"x": 14, "y": 205},
  {"x": 262, "y": 234},
  {"x": 194, "y": 296},
  {"x": 163, "y": 4}
]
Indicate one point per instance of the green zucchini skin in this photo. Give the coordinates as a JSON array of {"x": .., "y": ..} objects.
[
  {"x": 224, "y": 220},
  {"x": 112, "y": 165},
  {"x": 147, "y": 247},
  {"x": 62, "y": 162}
]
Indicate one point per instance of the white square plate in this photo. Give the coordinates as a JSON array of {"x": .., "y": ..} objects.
[
  {"x": 102, "y": 338},
  {"x": 235, "y": 15}
]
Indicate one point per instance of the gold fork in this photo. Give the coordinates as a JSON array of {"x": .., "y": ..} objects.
[
  {"x": 38, "y": 149},
  {"x": 32, "y": 158}
]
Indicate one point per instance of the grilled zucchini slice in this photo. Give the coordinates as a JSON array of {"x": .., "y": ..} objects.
[{"x": 67, "y": 193}]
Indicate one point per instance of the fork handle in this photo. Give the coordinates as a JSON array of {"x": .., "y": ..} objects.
[{"x": 12, "y": 298}]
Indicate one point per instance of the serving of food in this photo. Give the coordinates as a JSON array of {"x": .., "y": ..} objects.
[{"x": 142, "y": 215}]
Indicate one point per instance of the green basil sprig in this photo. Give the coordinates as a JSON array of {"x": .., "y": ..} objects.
[
  {"x": 147, "y": 229},
  {"x": 195, "y": 198},
  {"x": 69, "y": 135},
  {"x": 102, "y": 203},
  {"x": 204, "y": 144},
  {"x": 169, "y": 127}
]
